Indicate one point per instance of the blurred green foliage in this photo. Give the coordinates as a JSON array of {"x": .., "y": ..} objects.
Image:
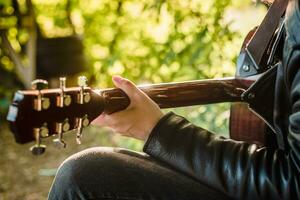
[{"x": 147, "y": 41}]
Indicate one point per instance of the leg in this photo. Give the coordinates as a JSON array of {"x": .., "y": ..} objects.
[{"x": 108, "y": 173}]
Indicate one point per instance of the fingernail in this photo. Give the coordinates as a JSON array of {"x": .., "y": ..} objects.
[{"x": 117, "y": 79}]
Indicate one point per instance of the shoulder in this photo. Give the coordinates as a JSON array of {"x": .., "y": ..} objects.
[{"x": 291, "y": 54}]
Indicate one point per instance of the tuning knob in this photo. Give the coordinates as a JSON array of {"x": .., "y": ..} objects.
[
  {"x": 82, "y": 81},
  {"x": 61, "y": 127},
  {"x": 38, "y": 149},
  {"x": 59, "y": 143},
  {"x": 40, "y": 103},
  {"x": 39, "y": 133},
  {"x": 39, "y": 84}
]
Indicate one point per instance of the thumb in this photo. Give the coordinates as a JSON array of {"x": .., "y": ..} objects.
[{"x": 126, "y": 85}]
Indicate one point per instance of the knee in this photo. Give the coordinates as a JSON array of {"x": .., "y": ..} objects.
[
  {"x": 82, "y": 163},
  {"x": 94, "y": 169},
  {"x": 79, "y": 169}
]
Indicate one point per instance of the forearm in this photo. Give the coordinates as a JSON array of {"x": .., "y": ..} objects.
[{"x": 238, "y": 169}]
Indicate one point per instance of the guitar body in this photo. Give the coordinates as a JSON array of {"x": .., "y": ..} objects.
[{"x": 244, "y": 125}]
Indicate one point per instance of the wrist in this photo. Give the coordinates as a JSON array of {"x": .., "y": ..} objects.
[
  {"x": 156, "y": 128},
  {"x": 152, "y": 125}
]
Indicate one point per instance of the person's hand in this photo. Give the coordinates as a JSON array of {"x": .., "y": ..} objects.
[{"x": 138, "y": 119}]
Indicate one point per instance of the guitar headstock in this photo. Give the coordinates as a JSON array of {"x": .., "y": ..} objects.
[{"x": 40, "y": 113}]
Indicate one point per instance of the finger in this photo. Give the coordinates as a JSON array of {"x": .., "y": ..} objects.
[
  {"x": 126, "y": 134},
  {"x": 123, "y": 129},
  {"x": 100, "y": 120},
  {"x": 119, "y": 117},
  {"x": 114, "y": 119},
  {"x": 127, "y": 86},
  {"x": 105, "y": 120}
]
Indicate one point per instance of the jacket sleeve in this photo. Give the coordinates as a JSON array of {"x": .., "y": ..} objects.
[{"x": 238, "y": 169}]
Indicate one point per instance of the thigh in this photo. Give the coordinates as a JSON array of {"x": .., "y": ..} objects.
[{"x": 111, "y": 173}]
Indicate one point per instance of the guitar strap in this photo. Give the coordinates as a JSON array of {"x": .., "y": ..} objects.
[{"x": 260, "y": 41}]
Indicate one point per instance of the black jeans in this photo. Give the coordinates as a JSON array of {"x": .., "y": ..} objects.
[{"x": 112, "y": 173}]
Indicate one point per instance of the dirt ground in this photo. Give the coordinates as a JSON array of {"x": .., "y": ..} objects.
[{"x": 27, "y": 177}]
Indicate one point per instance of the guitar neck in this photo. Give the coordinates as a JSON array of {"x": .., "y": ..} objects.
[
  {"x": 170, "y": 95},
  {"x": 34, "y": 111}
]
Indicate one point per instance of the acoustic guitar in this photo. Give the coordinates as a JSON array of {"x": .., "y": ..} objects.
[{"x": 40, "y": 113}]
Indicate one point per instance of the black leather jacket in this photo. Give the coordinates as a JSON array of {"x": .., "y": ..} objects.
[{"x": 238, "y": 169}]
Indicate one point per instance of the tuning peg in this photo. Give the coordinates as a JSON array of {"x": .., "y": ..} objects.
[
  {"x": 63, "y": 99},
  {"x": 79, "y": 135},
  {"x": 61, "y": 127},
  {"x": 81, "y": 123},
  {"x": 43, "y": 131},
  {"x": 83, "y": 97},
  {"x": 39, "y": 133},
  {"x": 40, "y": 103}
]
